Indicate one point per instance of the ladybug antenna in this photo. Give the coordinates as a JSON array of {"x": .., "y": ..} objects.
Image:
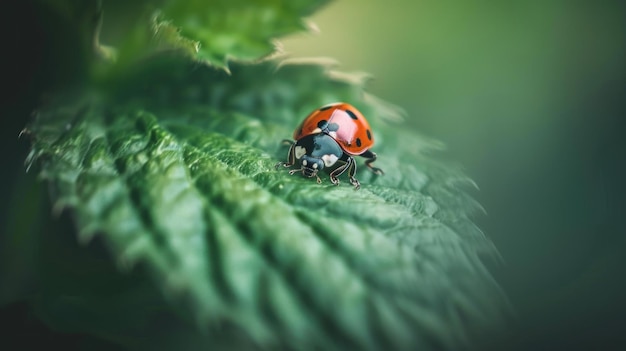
[{"x": 294, "y": 171}]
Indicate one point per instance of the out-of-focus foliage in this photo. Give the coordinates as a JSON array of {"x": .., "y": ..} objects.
[
  {"x": 214, "y": 31},
  {"x": 236, "y": 29}
]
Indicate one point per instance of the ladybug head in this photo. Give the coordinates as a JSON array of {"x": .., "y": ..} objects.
[
  {"x": 311, "y": 165},
  {"x": 314, "y": 153}
]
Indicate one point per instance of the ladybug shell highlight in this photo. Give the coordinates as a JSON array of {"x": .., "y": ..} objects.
[{"x": 343, "y": 122}]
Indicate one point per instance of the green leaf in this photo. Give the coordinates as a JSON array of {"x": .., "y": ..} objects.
[
  {"x": 236, "y": 29},
  {"x": 213, "y": 32},
  {"x": 173, "y": 168}
]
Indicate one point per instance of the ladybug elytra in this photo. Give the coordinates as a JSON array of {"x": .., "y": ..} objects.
[{"x": 327, "y": 139}]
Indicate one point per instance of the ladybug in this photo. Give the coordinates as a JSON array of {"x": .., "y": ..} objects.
[{"x": 327, "y": 139}]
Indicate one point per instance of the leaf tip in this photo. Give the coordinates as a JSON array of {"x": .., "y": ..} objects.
[
  {"x": 23, "y": 132},
  {"x": 311, "y": 26}
]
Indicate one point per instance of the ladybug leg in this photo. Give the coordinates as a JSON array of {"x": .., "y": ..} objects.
[
  {"x": 351, "y": 173},
  {"x": 291, "y": 157},
  {"x": 338, "y": 171},
  {"x": 349, "y": 166},
  {"x": 371, "y": 157}
]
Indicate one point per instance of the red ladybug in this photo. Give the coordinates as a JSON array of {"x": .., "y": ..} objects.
[{"x": 328, "y": 139}]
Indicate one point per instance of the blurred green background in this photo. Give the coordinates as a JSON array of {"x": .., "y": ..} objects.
[{"x": 527, "y": 95}]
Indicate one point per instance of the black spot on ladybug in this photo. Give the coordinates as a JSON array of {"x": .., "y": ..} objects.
[
  {"x": 321, "y": 124},
  {"x": 326, "y": 108},
  {"x": 358, "y": 142},
  {"x": 352, "y": 115},
  {"x": 369, "y": 135},
  {"x": 333, "y": 127}
]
